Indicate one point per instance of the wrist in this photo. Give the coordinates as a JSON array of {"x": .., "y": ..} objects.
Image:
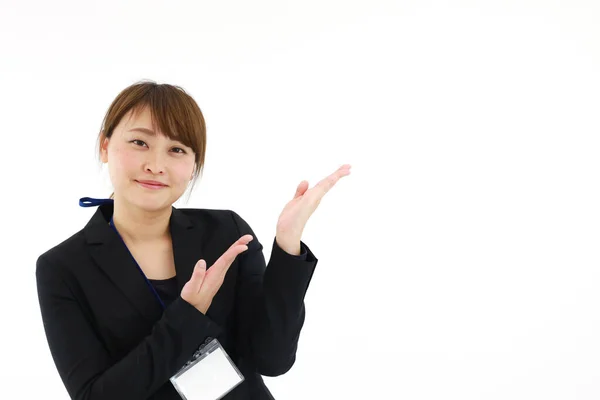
[{"x": 291, "y": 247}]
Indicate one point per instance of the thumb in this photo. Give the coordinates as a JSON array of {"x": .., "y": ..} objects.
[
  {"x": 301, "y": 189},
  {"x": 195, "y": 282}
]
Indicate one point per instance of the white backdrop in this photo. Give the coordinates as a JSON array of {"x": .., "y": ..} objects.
[{"x": 458, "y": 260}]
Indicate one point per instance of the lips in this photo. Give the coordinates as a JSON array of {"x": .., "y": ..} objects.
[{"x": 151, "y": 184}]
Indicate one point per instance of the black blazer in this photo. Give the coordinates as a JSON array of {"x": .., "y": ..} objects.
[{"x": 110, "y": 338}]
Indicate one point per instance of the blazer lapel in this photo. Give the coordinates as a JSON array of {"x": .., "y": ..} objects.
[
  {"x": 111, "y": 254},
  {"x": 188, "y": 240}
]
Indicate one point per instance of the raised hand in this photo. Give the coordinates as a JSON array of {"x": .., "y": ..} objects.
[
  {"x": 295, "y": 214},
  {"x": 204, "y": 284}
]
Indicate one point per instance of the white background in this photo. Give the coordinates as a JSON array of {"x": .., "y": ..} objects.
[{"x": 458, "y": 260}]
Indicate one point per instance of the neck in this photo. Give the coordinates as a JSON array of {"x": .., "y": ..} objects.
[{"x": 137, "y": 225}]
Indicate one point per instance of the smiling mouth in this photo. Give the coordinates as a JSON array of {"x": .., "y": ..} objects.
[{"x": 150, "y": 185}]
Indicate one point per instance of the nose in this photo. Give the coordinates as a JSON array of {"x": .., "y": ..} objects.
[{"x": 155, "y": 163}]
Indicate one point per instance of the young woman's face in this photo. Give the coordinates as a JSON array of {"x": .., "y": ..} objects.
[{"x": 134, "y": 156}]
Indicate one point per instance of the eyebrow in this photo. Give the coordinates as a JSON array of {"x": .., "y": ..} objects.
[{"x": 143, "y": 130}]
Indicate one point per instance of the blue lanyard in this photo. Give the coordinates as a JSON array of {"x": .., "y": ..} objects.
[{"x": 91, "y": 202}]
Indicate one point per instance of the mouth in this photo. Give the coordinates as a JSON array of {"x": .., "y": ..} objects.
[{"x": 149, "y": 185}]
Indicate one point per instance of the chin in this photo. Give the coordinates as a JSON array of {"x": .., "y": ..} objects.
[{"x": 149, "y": 202}]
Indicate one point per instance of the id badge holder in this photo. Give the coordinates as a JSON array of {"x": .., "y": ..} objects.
[{"x": 209, "y": 375}]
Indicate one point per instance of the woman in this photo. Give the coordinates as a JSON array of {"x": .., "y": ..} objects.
[{"x": 133, "y": 297}]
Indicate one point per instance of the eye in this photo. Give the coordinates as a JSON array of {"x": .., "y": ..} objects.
[
  {"x": 136, "y": 140},
  {"x": 182, "y": 151}
]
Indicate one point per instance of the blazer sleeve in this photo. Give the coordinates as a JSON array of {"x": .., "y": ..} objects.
[
  {"x": 270, "y": 309},
  {"x": 83, "y": 363}
]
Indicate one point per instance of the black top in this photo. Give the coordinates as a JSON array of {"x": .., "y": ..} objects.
[{"x": 166, "y": 289}]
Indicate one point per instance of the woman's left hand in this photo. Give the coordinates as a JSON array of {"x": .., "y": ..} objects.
[{"x": 295, "y": 214}]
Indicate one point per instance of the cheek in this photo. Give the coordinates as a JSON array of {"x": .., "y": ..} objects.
[
  {"x": 124, "y": 164},
  {"x": 183, "y": 171}
]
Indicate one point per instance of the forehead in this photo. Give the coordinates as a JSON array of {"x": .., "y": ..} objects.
[
  {"x": 138, "y": 118},
  {"x": 140, "y": 121}
]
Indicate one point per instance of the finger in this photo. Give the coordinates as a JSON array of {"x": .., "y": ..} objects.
[
  {"x": 242, "y": 240},
  {"x": 227, "y": 258},
  {"x": 245, "y": 239},
  {"x": 216, "y": 273},
  {"x": 234, "y": 250},
  {"x": 328, "y": 182},
  {"x": 301, "y": 189},
  {"x": 197, "y": 278}
]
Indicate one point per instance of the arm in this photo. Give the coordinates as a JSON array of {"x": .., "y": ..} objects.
[
  {"x": 84, "y": 365},
  {"x": 270, "y": 303}
]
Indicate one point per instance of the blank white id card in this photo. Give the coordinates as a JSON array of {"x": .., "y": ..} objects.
[{"x": 209, "y": 377}]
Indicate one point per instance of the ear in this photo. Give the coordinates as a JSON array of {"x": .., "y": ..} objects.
[{"x": 104, "y": 149}]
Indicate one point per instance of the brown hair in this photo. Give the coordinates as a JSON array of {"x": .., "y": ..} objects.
[{"x": 174, "y": 112}]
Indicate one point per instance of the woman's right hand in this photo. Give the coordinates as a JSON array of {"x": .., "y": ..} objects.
[{"x": 204, "y": 284}]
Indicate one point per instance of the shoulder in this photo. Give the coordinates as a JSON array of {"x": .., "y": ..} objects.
[
  {"x": 219, "y": 218},
  {"x": 61, "y": 253}
]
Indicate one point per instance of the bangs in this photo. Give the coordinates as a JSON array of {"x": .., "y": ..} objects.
[{"x": 172, "y": 116}]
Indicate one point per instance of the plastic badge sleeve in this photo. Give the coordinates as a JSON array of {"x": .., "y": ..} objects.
[{"x": 209, "y": 375}]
